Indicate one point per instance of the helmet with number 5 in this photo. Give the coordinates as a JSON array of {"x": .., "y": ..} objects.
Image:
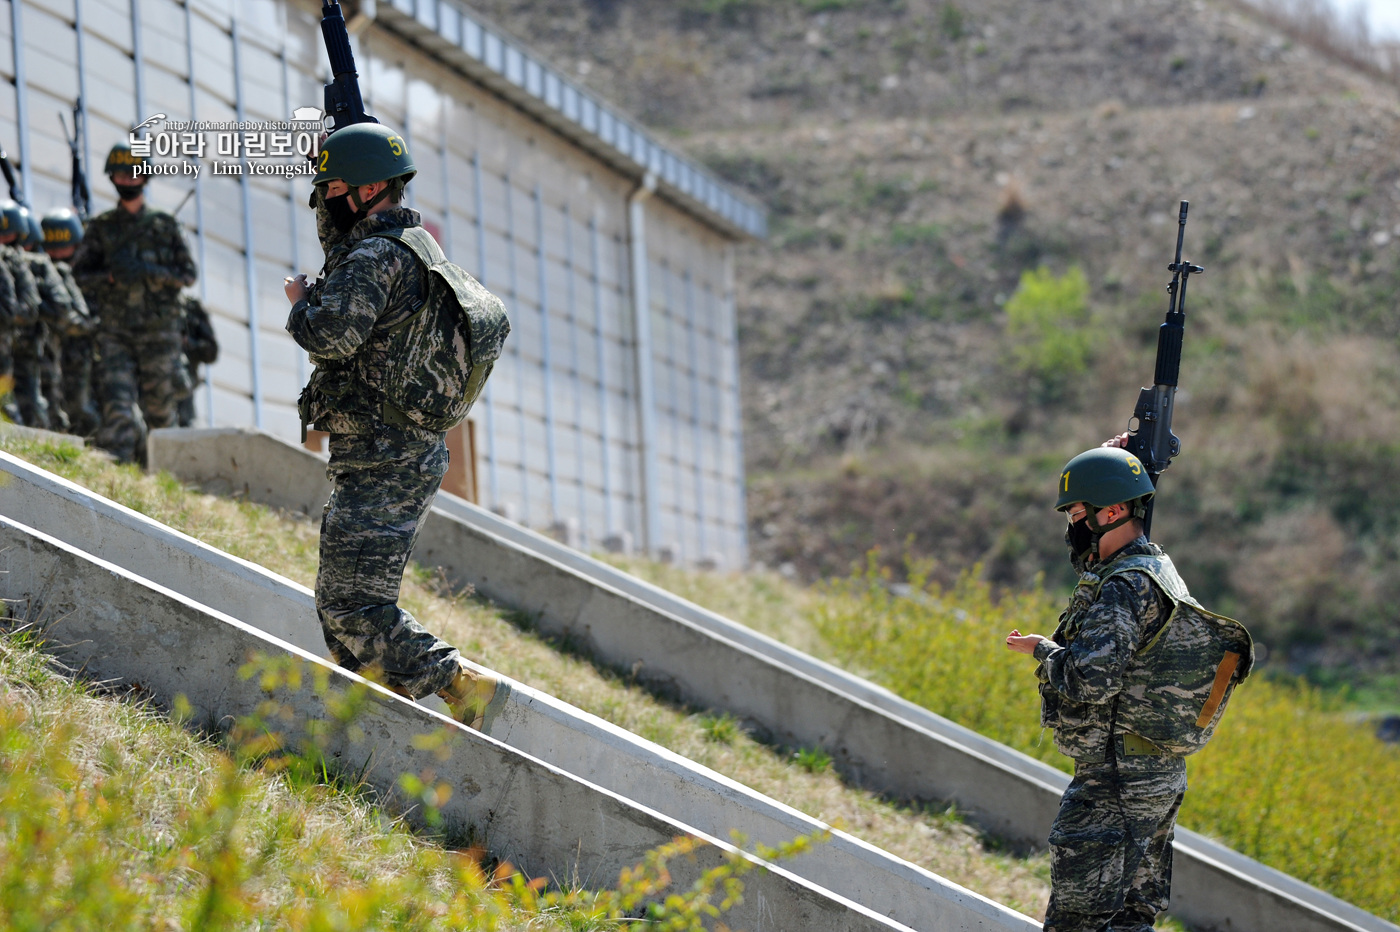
[
  {"x": 1104, "y": 476},
  {"x": 364, "y": 153}
]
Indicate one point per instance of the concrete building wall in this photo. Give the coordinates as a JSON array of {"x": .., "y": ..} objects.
[{"x": 516, "y": 199}]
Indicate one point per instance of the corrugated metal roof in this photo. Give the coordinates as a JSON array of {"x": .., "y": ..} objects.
[{"x": 490, "y": 57}]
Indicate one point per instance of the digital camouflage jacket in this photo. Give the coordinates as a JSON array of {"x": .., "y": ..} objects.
[
  {"x": 81, "y": 323},
  {"x": 1084, "y": 666},
  {"x": 343, "y": 324},
  {"x": 131, "y": 268},
  {"x": 55, "y": 303},
  {"x": 26, "y": 293}
]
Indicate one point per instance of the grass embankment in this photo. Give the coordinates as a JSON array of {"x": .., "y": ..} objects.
[
  {"x": 936, "y": 840},
  {"x": 89, "y": 840},
  {"x": 1289, "y": 779}
]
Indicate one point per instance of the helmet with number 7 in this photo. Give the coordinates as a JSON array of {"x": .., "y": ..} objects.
[
  {"x": 1104, "y": 476},
  {"x": 363, "y": 153}
]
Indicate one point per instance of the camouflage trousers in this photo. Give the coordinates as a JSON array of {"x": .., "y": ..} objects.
[
  {"x": 382, "y": 487},
  {"x": 77, "y": 385},
  {"x": 142, "y": 378},
  {"x": 1111, "y": 849},
  {"x": 30, "y": 344}
]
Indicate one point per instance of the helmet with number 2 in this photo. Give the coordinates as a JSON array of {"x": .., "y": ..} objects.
[
  {"x": 364, "y": 153},
  {"x": 1103, "y": 476}
]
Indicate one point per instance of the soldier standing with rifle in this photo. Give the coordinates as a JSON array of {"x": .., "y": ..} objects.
[
  {"x": 63, "y": 231},
  {"x": 1136, "y": 675},
  {"x": 131, "y": 265},
  {"x": 389, "y": 381}
]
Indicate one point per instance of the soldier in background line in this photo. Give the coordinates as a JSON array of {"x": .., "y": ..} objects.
[
  {"x": 10, "y": 313},
  {"x": 200, "y": 346},
  {"x": 29, "y": 331},
  {"x": 58, "y": 316},
  {"x": 63, "y": 231},
  {"x": 131, "y": 265}
]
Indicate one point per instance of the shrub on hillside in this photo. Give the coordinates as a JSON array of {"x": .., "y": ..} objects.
[{"x": 1046, "y": 326}]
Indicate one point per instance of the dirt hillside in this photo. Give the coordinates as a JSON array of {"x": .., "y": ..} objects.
[{"x": 919, "y": 158}]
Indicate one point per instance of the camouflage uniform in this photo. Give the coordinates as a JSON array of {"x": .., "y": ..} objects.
[
  {"x": 24, "y": 347},
  {"x": 131, "y": 268},
  {"x": 200, "y": 346},
  {"x": 57, "y": 318},
  {"x": 76, "y": 358},
  {"x": 9, "y": 312},
  {"x": 1110, "y": 844},
  {"x": 383, "y": 476}
]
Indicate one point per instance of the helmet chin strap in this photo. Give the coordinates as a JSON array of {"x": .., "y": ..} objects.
[{"x": 364, "y": 206}]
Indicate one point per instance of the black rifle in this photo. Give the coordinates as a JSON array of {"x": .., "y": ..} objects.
[
  {"x": 343, "y": 103},
  {"x": 16, "y": 192},
  {"x": 1150, "y": 436},
  {"x": 79, "y": 194}
]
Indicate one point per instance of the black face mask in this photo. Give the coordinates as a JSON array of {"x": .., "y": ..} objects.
[
  {"x": 129, "y": 192},
  {"x": 343, "y": 216},
  {"x": 1082, "y": 543}
]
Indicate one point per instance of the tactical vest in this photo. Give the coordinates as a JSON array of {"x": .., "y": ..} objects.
[
  {"x": 440, "y": 356},
  {"x": 1177, "y": 691}
]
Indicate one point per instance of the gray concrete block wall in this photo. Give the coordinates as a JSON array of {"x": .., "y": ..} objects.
[
  {"x": 886, "y": 744},
  {"x": 534, "y": 723},
  {"x": 117, "y": 627}
]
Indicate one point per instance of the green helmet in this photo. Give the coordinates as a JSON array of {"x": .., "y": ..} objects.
[
  {"x": 36, "y": 232},
  {"x": 1104, "y": 476},
  {"x": 363, "y": 153},
  {"x": 61, "y": 228},
  {"x": 19, "y": 219},
  {"x": 122, "y": 159},
  {"x": 12, "y": 219}
]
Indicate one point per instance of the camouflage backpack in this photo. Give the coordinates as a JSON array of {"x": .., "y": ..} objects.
[
  {"x": 440, "y": 356},
  {"x": 1175, "y": 696}
]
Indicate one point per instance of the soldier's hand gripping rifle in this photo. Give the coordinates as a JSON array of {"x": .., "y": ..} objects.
[
  {"x": 343, "y": 103},
  {"x": 81, "y": 197},
  {"x": 1150, "y": 436}
]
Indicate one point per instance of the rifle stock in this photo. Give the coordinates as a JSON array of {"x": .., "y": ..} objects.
[
  {"x": 1150, "y": 436},
  {"x": 342, "y": 98}
]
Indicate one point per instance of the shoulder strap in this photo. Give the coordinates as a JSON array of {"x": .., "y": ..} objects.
[
  {"x": 1159, "y": 569},
  {"x": 424, "y": 248},
  {"x": 418, "y": 240}
]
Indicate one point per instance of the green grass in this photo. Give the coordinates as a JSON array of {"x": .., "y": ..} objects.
[
  {"x": 89, "y": 840},
  {"x": 931, "y": 837},
  {"x": 1290, "y": 778}
]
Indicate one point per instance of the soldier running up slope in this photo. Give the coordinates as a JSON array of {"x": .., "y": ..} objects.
[
  {"x": 1130, "y": 684},
  {"x": 63, "y": 231},
  {"x": 131, "y": 265},
  {"x": 21, "y": 362},
  {"x": 365, "y": 326}
]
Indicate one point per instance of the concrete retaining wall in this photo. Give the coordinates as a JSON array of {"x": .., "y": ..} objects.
[
  {"x": 116, "y": 626},
  {"x": 534, "y": 723},
  {"x": 876, "y": 738}
]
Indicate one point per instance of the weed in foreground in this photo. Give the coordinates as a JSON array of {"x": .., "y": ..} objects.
[{"x": 250, "y": 835}]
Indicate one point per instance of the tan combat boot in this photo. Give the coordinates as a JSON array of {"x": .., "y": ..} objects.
[{"x": 475, "y": 697}]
